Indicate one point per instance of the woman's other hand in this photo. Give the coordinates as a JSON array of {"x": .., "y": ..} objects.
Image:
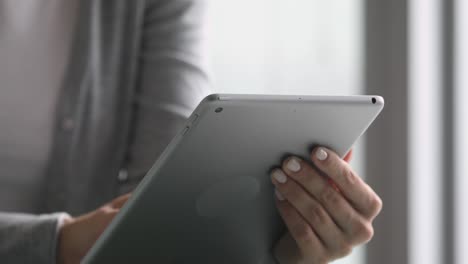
[
  {"x": 77, "y": 235},
  {"x": 327, "y": 208}
]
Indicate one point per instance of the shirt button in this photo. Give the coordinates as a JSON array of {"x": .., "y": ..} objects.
[
  {"x": 68, "y": 124},
  {"x": 123, "y": 175}
]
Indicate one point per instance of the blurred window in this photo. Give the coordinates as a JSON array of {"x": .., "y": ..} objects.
[
  {"x": 426, "y": 128},
  {"x": 287, "y": 47},
  {"x": 461, "y": 132},
  {"x": 438, "y": 129}
]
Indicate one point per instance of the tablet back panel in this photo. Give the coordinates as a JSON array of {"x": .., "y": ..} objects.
[{"x": 208, "y": 198}]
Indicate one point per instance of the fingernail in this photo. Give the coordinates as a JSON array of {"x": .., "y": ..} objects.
[
  {"x": 279, "y": 176},
  {"x": 293, "y": 165},
  {"x": 321, "y": 154},
  {"x": 279, "y": 195}
]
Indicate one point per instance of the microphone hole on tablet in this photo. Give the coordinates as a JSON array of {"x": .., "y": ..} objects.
[
  {"x": 218, "y": 110},
  {"x": 374, "y": 100}
]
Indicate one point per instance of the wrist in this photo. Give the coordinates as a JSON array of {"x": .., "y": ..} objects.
[
  {"x": 63, "y": 218},
  {"x": 63, "y": 224},
  {"x": 286, "y": 251}
]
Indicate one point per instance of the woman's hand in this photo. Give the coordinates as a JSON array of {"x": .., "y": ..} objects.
[
  {"x": 328, "y": 209},
  {"x": 77, "y": 235}
]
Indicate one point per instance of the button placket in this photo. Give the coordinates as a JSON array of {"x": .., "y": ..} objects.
[
  {"x": 122, "y": 176},
  {"x": 68, "y": 124}
]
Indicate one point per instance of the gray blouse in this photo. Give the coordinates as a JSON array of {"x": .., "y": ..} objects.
[
  {"x": 35, "y": 39},
  {"x": 135, "y": 73}
]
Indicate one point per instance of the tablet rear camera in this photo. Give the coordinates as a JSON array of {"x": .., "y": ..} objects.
[
  {"x": 218, "y": 110},
  {"x": 374, "y": 100}
]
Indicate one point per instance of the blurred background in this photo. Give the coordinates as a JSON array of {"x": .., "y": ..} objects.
[{"x": 412, "y": 52}]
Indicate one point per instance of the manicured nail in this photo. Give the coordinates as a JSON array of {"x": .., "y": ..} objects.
[
  {"x": 279, "y": 176},
  {"x": 321, "y": 154},
  {"x": 279, "y": 195},
  {"x": 293, "y": 165}
]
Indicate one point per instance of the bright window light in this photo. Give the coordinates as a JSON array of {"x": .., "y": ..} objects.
[
  {"x": 461, "y": 132},
  {"x": 425, "y": 126}
]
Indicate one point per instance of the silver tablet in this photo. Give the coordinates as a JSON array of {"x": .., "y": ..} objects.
[{"x": 208, "y": 198}]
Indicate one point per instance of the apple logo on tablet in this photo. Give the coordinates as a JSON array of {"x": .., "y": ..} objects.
[{"x": 226, "y": 197}]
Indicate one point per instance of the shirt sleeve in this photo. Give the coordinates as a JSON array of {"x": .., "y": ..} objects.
[
  {"x": 28, "y": 238},
  {"x": 172, "y": 79}
]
